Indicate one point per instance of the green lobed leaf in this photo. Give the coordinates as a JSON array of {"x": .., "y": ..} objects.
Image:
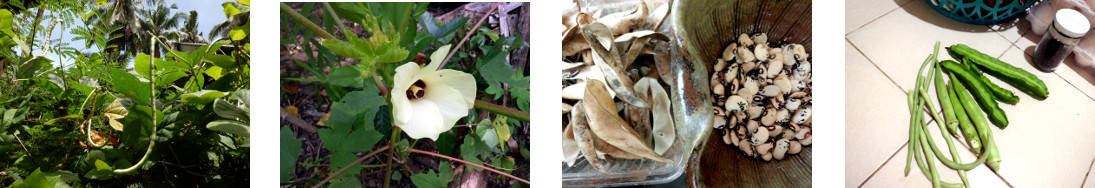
[
  {"x": 430, "y": 179},
  {"x": 345, "y": 76},
  {"x": 470, "y": 151},
  {"x": 290, "y": 151},
  {"x": 495, "y": 70},
  {"x": 344, "y": 113},
  {"x": 346, "y": 133}
]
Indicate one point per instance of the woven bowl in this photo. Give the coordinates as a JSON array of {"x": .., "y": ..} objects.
[
  {"x": 703, "y": 29},
  {"x": 983, "y": 12}
]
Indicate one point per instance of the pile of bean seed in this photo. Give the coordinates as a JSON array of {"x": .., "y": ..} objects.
[{"x": 763, "y": 96}]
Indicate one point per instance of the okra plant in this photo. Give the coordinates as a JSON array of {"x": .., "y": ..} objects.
[{"x": 414, "y": 88}]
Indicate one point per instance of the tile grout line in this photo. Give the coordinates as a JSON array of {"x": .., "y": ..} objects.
[
  {"x": 1074, "y": 86},
  {"x": 1015, "y": 44},
  {"x": 903, "y": 146},
  {"x": 876, "y": 18},
  {"x": 899, "y": 88},
  {"x": 902, "y": 90},
  {"x": 1089, "y": 168}
]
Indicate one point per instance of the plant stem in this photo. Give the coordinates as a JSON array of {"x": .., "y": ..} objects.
[
  {"x": 347, "y": 167},
  {"x": 151, "y": 103},
  {"x": 502, "y": 110},
  {"x": 46, "y": 46},
  {"x": 25, "y": 149},
  {"x": 307, "y": 23},
  {"x": 338, "y": 21},
  {"x": 468, "y": 163},
  {"x": 388, "y": 171},
  {"x": 383, "y": 89},
  {"x": 457, "y": 48}
]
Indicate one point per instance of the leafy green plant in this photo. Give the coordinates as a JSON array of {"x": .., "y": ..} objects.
[
  {"x": 365, "y": 116},
  {"x": 85, "y": 119}
]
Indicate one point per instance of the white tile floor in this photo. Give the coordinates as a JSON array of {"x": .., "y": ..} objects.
[{"x": 1045, "y": 145}]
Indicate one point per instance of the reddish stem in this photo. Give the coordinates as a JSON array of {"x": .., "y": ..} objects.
[
  {"x": 332, "y": 176},
  {"x": 468, "y": 35},
  {"x": 383, "y": 90},
  {"x": 468, "y": 163}
]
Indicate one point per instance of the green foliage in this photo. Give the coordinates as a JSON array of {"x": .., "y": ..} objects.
[
  {"x": 405, "y": 30},
  {"x": 57, "y": 110},
  {"x": 347, "y": 76},
  {"x": 39, "y": 180},
  {"x": 495, "y": 70},
  {"x": 471, "y": 150},
  {"x": 235, "y": 111},
  {"x": 382, "y": 45},
  {"x": 290, "y": 150},
  {"x": 346, "y": 134},
  {"x": 430, "y": 179}
]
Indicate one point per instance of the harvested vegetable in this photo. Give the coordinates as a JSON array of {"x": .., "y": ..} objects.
[
  {"x": 963, "y": 112},
  {"x": 980, "y": 92},
  {"x": 763, "y": 96},
  {"x": 619, "y": 108},
  {"x": 1020, "y": 78},
  {"x": 999, "y": 93}
]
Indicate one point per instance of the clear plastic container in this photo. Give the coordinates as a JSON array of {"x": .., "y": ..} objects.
[
  {"x": 627, "y": 172},
  {"x": 1060, "y": 39}
]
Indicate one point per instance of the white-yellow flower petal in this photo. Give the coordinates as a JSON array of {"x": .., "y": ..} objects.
[
  {"x": 424, "y": 122},
  {"x": 401, "y": 106},
  {"x": 447, "y": 97},
  {"x": 462, "y": 83}
]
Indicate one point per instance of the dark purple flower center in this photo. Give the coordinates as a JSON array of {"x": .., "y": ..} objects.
[{"x": 417, "y": 90}]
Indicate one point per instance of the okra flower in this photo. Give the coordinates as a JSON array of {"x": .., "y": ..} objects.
[{"x": 427, "y": 101}]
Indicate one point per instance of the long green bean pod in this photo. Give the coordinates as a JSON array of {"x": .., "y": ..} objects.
[
  {"x": 944, "y": 100},
  {"x": 988, "y": 145},
  {"x": 964, "y": 120},
  {"x": 998, "y": 93},
  {"x": 912, "y": 132},
  {"x": 941, "y": 92},
  {"x": 927, "y": 140},
  {"x": 980, "y": 92},
  {"x": 931, "y": 163},
  {"x": 950, "y": 118},
  {"x": 1020, "y": 78}
]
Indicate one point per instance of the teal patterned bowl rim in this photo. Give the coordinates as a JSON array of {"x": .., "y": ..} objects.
[{"x": 979, "y": 12}]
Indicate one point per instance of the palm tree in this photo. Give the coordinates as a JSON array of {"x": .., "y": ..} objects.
[
  {"x": 222, "y": 29},
  {"x": 160, "y": 21},
  {"x": 189, "y": 31},
  {"x": 125, "y": 13}
]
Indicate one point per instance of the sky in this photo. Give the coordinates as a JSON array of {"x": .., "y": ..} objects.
[{"x": 210, "y": 13}]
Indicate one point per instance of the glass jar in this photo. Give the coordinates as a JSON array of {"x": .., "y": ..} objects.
[{"x": 1060, "y": 38}]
